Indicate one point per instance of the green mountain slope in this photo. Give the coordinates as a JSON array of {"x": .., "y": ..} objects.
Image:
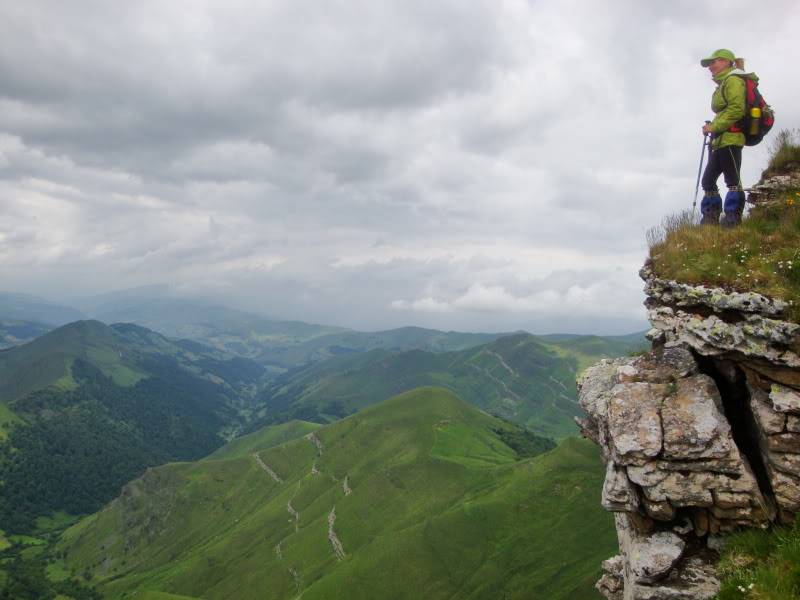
[
  {"x": 264, "y": 438},
  {"x": 417, "y": 497},
  {"x": 519, "y": 377},
  {"x": 588, "y": 349},
  {"x": 86, "y": 407}
]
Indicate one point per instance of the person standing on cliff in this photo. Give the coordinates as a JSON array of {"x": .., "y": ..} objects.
[{"x": 725, "y": 152}]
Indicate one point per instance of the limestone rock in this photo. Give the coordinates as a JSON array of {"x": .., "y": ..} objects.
[
  {"x": 648, "y": 474},
  {"x": 611, "y": 583},
  {"x": 671, "y": 293},
  {"x": 786, "y": 489},
  {"x": 676, "y": 479},
  {"x": 627, "y": 373},
  {"x": 784, "y": 399},
  {"x": 784, "y": 442},
  {"x": 651, "y": 558},
  {"x": 756, "y": 336},
  {"x": 787, "y": 463},
  {"x": 682, "y": 489},
  {"x": 731, "y": 500},
  {"x": 744, "y": 513},
  {"x": 730, "y": 464},
  {"x": 695, "y": 580},
  {"x": 634, "y": 423},
  {"x": 679, "y": 360},
  {"x": 619, "y": 494},
  {"x": 694, "y": 427},
  {"x": 769, "y": 420},
  {"x": 774, "y": 189},
  {"x": 660, "y": 511}
]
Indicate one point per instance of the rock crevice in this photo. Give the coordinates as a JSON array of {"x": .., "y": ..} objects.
[{"x": 701, "y": 436}]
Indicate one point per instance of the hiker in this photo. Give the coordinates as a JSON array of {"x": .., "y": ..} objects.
[{"x": 725, "y": 152}]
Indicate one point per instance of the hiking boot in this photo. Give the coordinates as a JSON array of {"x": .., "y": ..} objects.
[
  {"x": 711, "y": 208},
  {"x": 734, "y": 207}
]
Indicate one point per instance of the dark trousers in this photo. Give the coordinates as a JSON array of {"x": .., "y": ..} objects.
[{"x": 727, "y": 160}]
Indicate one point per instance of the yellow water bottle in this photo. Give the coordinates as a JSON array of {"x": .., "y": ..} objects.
[{"x": 755, "y": 117}]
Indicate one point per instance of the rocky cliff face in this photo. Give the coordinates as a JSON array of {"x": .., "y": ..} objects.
[{"x": 700, "y": 436}]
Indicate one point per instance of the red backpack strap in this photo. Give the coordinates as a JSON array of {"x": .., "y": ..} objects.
[{"x": 751, "y": 91}]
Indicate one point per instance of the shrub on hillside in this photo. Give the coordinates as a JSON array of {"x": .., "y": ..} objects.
[{"x": 784, "y": 151}]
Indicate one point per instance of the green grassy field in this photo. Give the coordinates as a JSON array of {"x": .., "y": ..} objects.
[
  {"x": 263, "y": 439},
  {"x": 761, "y": 564},
  {"x": 429, "y": 503}
]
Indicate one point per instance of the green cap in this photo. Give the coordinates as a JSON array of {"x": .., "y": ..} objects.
[{"x": 721, "y": 53}]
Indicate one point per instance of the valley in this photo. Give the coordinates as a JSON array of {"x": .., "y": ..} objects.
[
  {"x": 423, "y": 476},
  {"x": 307, "y": 457}
]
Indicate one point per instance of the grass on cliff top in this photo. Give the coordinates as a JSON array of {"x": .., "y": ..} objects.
[
  {"x": 761, "y": 255},
  {"x": 761, "y": 564}
]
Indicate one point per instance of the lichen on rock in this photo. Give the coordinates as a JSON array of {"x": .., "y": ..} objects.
[{"x": 701, "y": 436}]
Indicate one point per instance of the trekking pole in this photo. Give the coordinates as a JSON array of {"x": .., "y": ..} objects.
[{"x": 706, "y": 142}]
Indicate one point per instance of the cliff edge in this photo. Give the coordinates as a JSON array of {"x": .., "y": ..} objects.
[{"x": 701, "y": 435}]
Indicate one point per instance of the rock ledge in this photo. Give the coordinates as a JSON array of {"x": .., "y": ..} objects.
[{"x": 700, "y": 436}]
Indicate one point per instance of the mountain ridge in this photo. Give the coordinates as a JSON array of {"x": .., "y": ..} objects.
[
  {"x": 420, "y": 484},
  {"x": 518, "y": 377}
]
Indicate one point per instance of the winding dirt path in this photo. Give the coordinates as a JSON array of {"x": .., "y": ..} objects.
[
  {"x": 499, "y": 382},
  {"x": 294, "y": 514},
  {"x": 346, "y": 486},
  {"x": 266, "y": 467},
  {"x": 338, "y": 549},
  {"x": 503, "y": 362},
  {"x": 312, "y": 437}
]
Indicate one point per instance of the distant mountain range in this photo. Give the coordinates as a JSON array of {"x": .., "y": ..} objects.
[
  {"x": 24, "y": 307},
  {"x": 111, "y": 400},
  {"x": 421, "y": 496},
  {"x": 279, "y": 345},
  {"x": 427, "y": 487},
  {"x": 524, "y": 378}
]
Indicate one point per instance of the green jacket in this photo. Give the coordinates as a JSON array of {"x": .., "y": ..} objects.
[{"x": 728, "y": 104}]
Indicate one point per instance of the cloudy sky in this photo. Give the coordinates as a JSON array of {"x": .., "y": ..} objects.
[{"x": 481, "y": 165}]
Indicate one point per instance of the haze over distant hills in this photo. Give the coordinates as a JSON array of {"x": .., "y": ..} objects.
[
  {"x": 524, "y": 378},
  {"x": 275, "y": 343},
  {"x": 24, "y": 307}
]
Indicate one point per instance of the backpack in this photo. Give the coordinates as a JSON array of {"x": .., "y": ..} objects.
[{"x": 758, "y": 116}]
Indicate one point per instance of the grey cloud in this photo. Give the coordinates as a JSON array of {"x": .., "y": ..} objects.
[{"x": 322, "y": 161}]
